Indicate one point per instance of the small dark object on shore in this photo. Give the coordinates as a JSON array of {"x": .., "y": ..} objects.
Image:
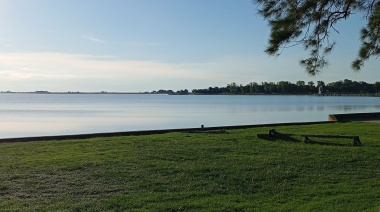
[{"x": 274, "y": 135}]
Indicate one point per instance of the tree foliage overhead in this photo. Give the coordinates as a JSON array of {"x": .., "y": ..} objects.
[{"x": 310, "y": 22}]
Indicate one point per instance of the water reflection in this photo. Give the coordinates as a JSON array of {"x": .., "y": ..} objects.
[
  {"x": 349, "y": 108},
  {"x": 320, "y": 108},
  {"x": 31, "y": 115},
  {"x": 300, "y": 108}
]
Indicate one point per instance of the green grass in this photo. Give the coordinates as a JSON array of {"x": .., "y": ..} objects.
[{"x": 235, "y": 171}]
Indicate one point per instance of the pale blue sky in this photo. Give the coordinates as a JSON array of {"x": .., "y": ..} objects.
[{"x": 145, "y": 45}]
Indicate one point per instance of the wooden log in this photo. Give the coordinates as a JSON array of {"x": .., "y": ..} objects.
[
  {"x": 332, "y": 136},
  {"x": 356, "y": 140},
  {"x": 266, "y": 137},
  {"x": 278, "y": 135},
  {"x": 324, "y": 143}
]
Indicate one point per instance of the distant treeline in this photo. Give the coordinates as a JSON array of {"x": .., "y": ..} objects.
[{"x": 300, "y": 87}]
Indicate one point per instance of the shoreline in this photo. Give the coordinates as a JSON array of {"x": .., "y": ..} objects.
[
  {"x": 373, "y": 117},
  {"x": 149, "y": 132},
  {"x": 174, "y": 94}
]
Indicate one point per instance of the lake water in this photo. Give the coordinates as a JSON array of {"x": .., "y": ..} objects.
[{"x": 58, "y": 114}]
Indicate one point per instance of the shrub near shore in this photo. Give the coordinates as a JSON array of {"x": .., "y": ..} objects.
[{"x": 194, "y": 171}]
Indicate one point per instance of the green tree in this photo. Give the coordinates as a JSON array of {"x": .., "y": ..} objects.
[
  {"x": 300, "y": 86},
  {"x": 267, "y": 87},
  {"x": 311, "y": 87},
  {"x": 310, "y": 22},
  {"x": 321, "y": 84},
  {"x": 272, "y": 87},
  {"x": 241, "y": 89},
  {"x": 232, "y": 88},
  {"x": 254, "y": 87},
  {"x": 183, "y": 92},
  {"x": 335, "y": 86},
  {"x": 377, "y": 87},
  {"x": 284, "y": 87}
]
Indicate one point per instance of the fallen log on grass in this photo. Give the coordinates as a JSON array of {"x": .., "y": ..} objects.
[
  {"x": 274, "y": 135},
  {"x": 356, "y": 140}
]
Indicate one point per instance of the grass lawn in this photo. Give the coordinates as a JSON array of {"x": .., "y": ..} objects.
[{"x": 232, "y": 171}]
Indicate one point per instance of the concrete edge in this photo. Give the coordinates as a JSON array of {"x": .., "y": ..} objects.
[
  {"x": 148, "y": 132},
  {"x": 354, "y": 116}
]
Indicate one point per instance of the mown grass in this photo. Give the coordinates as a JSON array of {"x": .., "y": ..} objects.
[{"x": 234, "y": 171}]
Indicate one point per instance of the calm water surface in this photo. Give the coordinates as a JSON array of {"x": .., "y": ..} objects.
[{"x": 56, "y": 114}]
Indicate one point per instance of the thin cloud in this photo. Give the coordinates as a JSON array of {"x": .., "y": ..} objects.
[
  {"x": 97, "y": 40},
  {"x": 141, "y": 44},
  {"x": 93, "y": 39},
  {"x": 61, "y": 71},
  {"x": 61, "y": 66},
  {"x": 11, "y": 74}
]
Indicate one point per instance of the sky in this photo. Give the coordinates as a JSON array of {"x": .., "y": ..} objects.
[{"x": 146, "y": 45}]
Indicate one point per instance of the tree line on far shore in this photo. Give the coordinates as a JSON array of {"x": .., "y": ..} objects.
[{"x": 284, "y": 87}]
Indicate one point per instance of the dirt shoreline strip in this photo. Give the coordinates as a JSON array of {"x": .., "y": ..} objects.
[
  {"x": 371, "y": 121},
  {"x": 148, "y": 132}
]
